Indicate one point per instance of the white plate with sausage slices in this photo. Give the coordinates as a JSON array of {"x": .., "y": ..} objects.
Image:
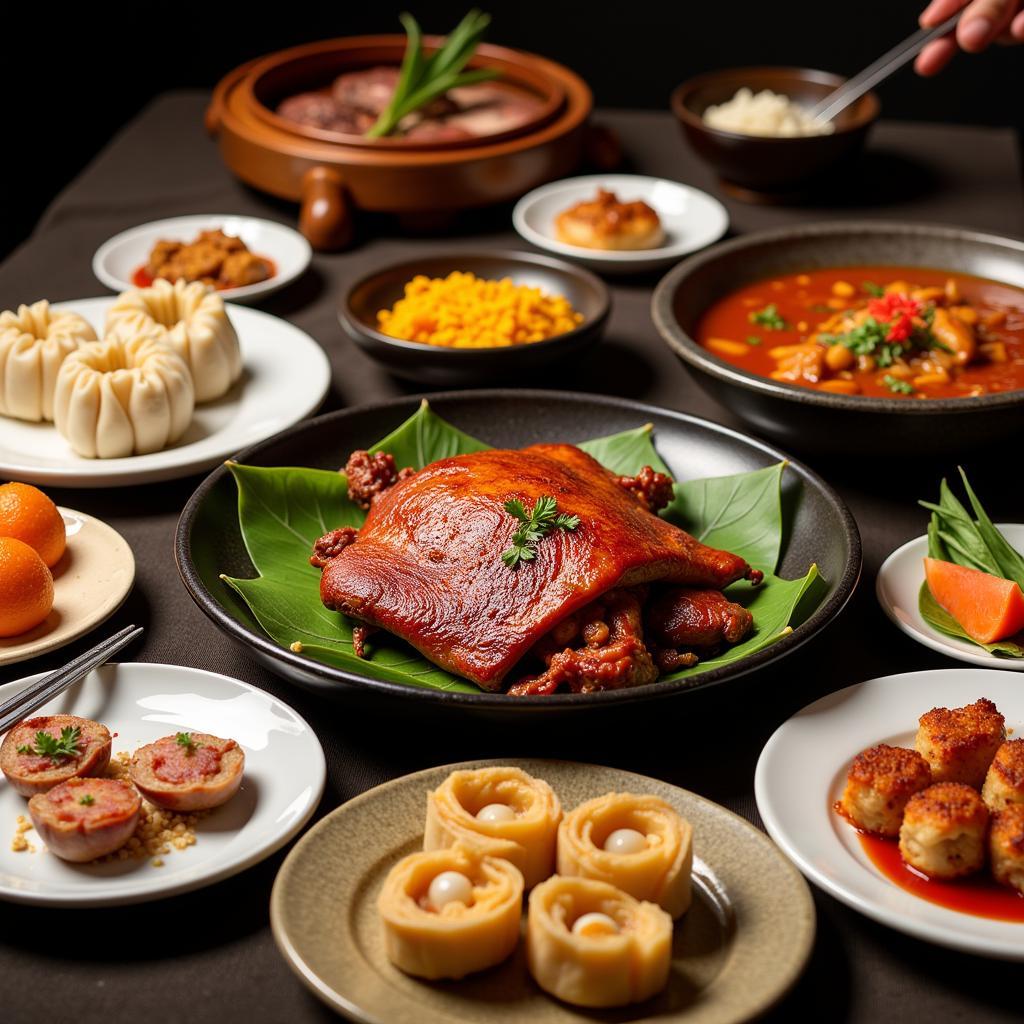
[
  {"x": 139, "y": 703},
  {"x": 801, "y": 774}
]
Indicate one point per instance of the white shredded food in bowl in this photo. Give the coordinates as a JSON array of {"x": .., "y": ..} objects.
[{"x": 764, "y": 113}]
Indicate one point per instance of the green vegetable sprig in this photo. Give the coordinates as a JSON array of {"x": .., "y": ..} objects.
[
  {"x": 769, "y": 318},
  {"x": 423, "y": 79},
  {"x": 184, "y": 739},
  {"x": 88, "y": 800},
  {"x": 49, "y": 746},
  {"x": 897, "y": 386},
  {"x": 541, "y": 520}
]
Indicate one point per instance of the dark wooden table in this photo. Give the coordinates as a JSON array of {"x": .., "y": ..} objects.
[{"x": 209, "y": 955}]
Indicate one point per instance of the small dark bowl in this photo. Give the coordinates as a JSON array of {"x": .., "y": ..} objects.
[
  {"x": 458, "y": 367},
  {"x": 816, "y": 421},
  {"x": 767, "y": 167}
]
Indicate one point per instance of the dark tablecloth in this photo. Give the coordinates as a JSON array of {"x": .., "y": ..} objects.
[{"x": 209, "y": 956}]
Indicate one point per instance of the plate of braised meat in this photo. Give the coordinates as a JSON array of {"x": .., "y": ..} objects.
[{"x": 519, "y": 550}]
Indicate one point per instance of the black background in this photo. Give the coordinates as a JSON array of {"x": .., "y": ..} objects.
[{"x": 71, "y": 77}]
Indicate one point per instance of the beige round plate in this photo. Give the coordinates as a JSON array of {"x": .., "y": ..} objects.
[
  {"x": 739, "y": 948},
  {"x": 90, "y": 583}
]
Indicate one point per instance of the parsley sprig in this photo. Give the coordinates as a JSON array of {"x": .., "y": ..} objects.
[
  {"x": 88, "y": 800},
  {"x": 184, "y": 739},
  {"x": 897, "y": 386},
  {"x": 49, "y": 746},
  {"x": 535, "y": 524}
]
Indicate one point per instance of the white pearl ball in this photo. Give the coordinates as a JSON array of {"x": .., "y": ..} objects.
[
  {"x": 595, "y": 924},
  {"x": 495, "y": 813},
  {"x": 625, "y": 840},
  {"x": 449, "y": 887}
]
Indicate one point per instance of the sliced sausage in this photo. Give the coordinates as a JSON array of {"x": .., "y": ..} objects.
[
  {"x": 82, "y": 819},
  {"x": 188, "y": 771},
  {"x": 31, "y": 772}
]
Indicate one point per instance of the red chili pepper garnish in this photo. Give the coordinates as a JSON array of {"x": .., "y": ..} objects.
[{"x": 898, "y": 312}]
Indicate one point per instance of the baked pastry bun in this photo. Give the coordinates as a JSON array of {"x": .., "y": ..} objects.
[
  {"x": 605, "y": 222},
  {"x": 1004, "y": 783},
  {"x": 116, "y": 398},
  {"x": 503, "y": 811},
  {"x": 33, "y": 343},
  {"x": 83, "y": 819},
  {"x": 30, "y": 772},
  {"x": 960, "y": 743},
  {"x": 193, "y": 320},
  {"x": 590, "y": 944},
  {"x": 1006, "y": 846},
  {"x": 879, "y": 783},
  {"x": 639, "y": 844},
  {"x": 190, "y": 771},
  {"x": 449, "y": 913}
]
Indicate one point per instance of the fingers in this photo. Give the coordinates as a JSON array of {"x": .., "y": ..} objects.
[
  {"x": 939, "y": 10},
  {"x": 935, "y": 56},
  {"x": 982, "y": 22}
]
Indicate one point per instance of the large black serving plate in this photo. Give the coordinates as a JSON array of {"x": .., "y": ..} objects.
[
  {"x": 816, "y": 421},
  {"x": 819, "y": 527}
]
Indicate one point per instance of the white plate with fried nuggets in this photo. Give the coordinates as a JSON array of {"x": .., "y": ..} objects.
[{"x": 802, "y": 775}]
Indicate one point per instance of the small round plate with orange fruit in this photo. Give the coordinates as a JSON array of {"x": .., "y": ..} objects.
[
  {"x": 62, "y": 573},
  {"x": 958, "y": 589}
]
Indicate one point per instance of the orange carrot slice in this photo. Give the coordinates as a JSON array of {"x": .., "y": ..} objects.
[{"x": 989, "y": 608}]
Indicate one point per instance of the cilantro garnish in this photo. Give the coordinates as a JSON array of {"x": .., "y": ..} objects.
[
  {"x": 543, "y": 517},
  {"x": 897, "y": 386},
  {"x": 769, "y": 318},
  {"x": 88, "y": 800},
  {"x": 873, "y": 289},
  {"x": 49, "y": 746},
  {"x": 184, "y": 739}
]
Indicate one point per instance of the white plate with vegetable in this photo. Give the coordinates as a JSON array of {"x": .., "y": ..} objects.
[
  {"x": 690, "y": 219},
  {"x": 139, "y": 703},
  {"x": 284, "y": 378},
  {"x": 970, "y": 607},
  {"x": 120, "y": 259}
]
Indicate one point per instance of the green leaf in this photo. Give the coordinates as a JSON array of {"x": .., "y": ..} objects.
[
  {"x": 774, "y": 604},
  {"x": 936, "y": 616},
  {"x": 282, "y": 511},
  {"x": 1007, "y": 559}
]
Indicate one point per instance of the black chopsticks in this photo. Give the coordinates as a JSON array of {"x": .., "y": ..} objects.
[{"x": 33, "y": 697}]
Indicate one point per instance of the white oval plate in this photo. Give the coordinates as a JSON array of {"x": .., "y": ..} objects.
[
  {"x": 283, "y": 782},
  {"x": 90, "y": 582},
  {"x": 117, "y": 259},
  {"x": 897, "y": 585},
  {"x": 692, "y": 219},
  {"x": 285, "y": 377},
  {"x": 801, "y": 773}
]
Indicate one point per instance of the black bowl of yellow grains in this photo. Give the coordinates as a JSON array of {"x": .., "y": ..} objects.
[{"x": 471, "y": 318}]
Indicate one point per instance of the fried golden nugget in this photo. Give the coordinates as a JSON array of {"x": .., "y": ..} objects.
[
  {"x": 1006, "y": 846},
  {"x": 943, "y": 831},
  {"x": 879, "y": 783},
  {"x": 960, "y": 743},
  {"x": 1004, "y": 783}
]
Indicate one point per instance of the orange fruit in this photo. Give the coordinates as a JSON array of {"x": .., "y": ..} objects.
[
  {"x": 26, "y": 587},
  {"x": 29, "y": 515}
]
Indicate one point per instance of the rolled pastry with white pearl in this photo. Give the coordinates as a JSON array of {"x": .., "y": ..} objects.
[
  {"x": 118, "y": 398},
  {"x": 193, "y": 320},
  {"x": 593, "y": 945},
  {"x": 449, "y": 913},
  {"x": 504, "y": 811},
  {"x": 34, "y": 342},
  {"x": 639, "y": 844}
]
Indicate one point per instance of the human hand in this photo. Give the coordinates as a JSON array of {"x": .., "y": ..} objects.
[{"x": 983, "y": 22}]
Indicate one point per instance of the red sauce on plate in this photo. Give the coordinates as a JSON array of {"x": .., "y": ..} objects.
[
  {"x": 979, "y": 895},
  {"x": 143, "y": 279}
]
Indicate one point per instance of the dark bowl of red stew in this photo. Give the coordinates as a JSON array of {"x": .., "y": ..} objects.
[{"x": 868, "y": 338}]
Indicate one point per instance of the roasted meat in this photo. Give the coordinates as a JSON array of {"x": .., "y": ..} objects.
[
  {"x": 705, "y": 619},
  {"x": 427, "y": 564}
]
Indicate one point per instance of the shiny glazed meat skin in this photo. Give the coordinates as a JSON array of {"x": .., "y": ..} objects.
[
  {"x": 681, "y": 617},
  {"x": 427, "y": 563}
]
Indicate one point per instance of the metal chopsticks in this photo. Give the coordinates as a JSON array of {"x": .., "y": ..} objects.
[
  {"x": 852, "y": 89},
  {"x": 23, "y": 703}
]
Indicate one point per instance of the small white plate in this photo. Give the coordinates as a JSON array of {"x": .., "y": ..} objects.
[
  {"x": 285, "y": 377},
  {"x": 898, "y": 584},
  {"x": 802, "y": 771},
  {"x": 692, "y": 219},
  {"x": 90, "y": 582},
  {"x": 283, "y": 782},
  {"x": 117, "y": 259}
]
